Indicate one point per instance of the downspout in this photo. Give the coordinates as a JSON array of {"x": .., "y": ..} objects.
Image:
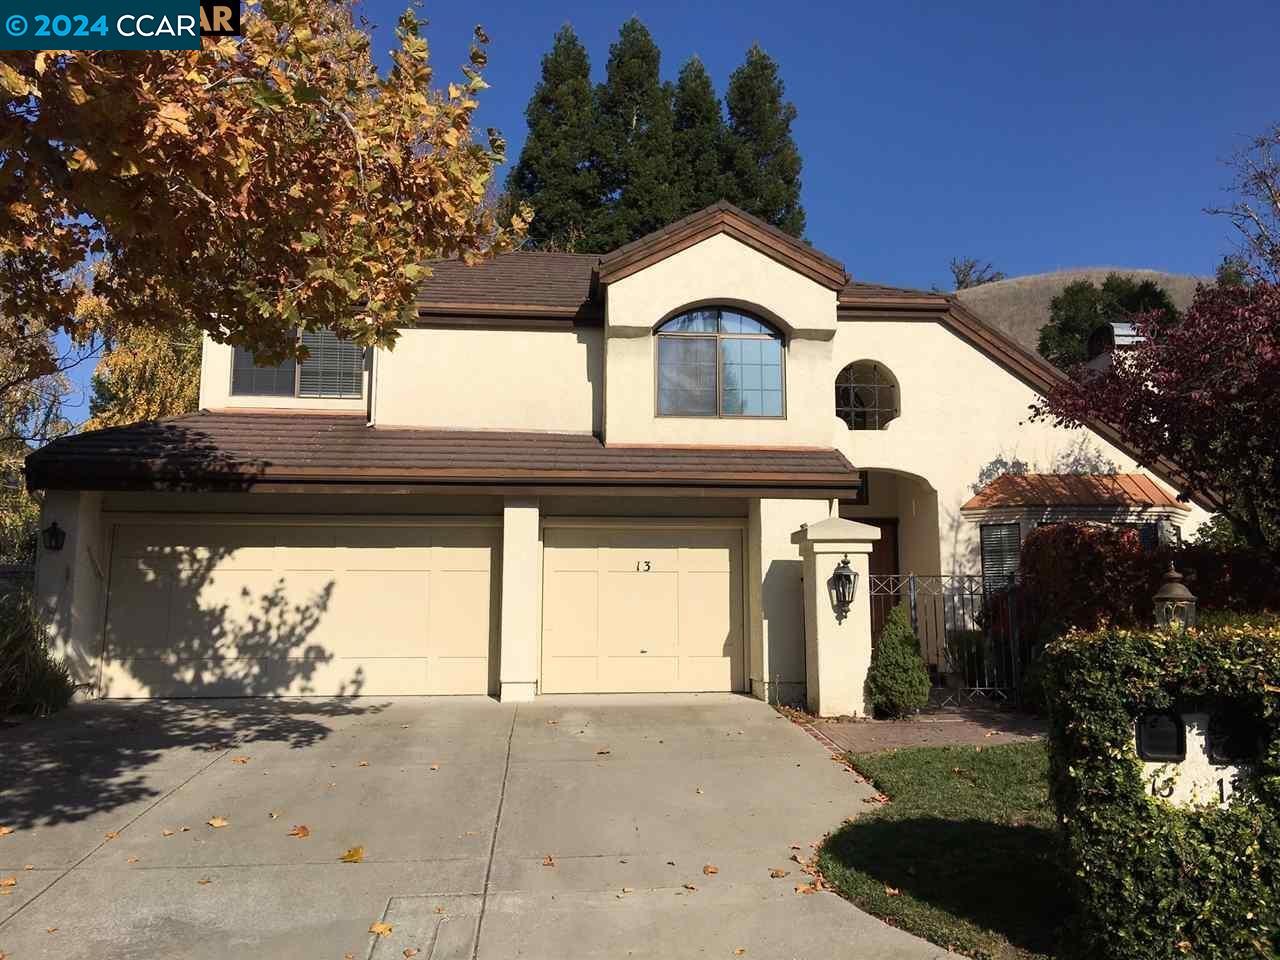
[{"x": 373, "y": 385}]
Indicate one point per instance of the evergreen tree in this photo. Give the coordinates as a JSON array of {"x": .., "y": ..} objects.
[
  {"x": 699, "y": 140},
  {"x": 897, "y": 683},
  {"x": 635, "y": 143},
  {"x": 764, "y": 162},
  {"x": 556, "y": 173},
  {"x": 1082, "y": 307}
]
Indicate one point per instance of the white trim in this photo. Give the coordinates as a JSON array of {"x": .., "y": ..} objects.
[
  {"x": 118, "y": 517},
  {"x": 649, "y": 523}
]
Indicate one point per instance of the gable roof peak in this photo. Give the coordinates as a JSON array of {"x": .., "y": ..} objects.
[{"x": 723, "y": 217}]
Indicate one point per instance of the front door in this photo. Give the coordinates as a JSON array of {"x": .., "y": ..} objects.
[{"x": 883, "y": 562}]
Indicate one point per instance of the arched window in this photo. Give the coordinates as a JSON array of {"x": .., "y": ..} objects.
[
  {"x": 866, "y": 396},
  {"x": 719, "y": 362}
]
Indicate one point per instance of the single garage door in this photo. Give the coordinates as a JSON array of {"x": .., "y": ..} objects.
[
  {"x": 258, "y": 609},
  {"x": 642, "y": 609}
]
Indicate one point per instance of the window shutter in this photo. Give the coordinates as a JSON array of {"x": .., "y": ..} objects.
[
  {"x": 1001, "y": 545},
  {"x": 334, "y": 368}
]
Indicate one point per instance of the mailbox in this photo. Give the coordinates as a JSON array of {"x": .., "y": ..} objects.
[{"x": 1195, "y": 758}]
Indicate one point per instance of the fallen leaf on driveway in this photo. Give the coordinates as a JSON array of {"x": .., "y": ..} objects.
[
  {"x": 184, "y": 829},
  {"x": 548, "y": 861},
  {"x": 804, "y": 889},
  {"x": 166, "y": 833},
  {"x": 411, "y": 951},
  {"x": 778, "y": 873},
  {"x": 602, "y": 753},
  {"x": 690, "y": 886},
  {"x": 28, "y": 866},
  {"x": 216, "y": 822},
  {"x": 204, "y": 881},
  {"x": 5, "y": 831},
  {"x": 273, "y": 814},
  {"x": 363, "y": 763},
  {"x": 132, "y": 860},
  {"x": 8, "y": 881},
  {"x": 439, "y": 909},
  {"x": 354, "y": 855},
  {"x": 628, "y": 890},
  {"x": 50, "y": 929},
  {"x": 404, "y": 726},
  {"x": 552, "y": 723},
  {"x": 740, "y": 952},
  {"x": 796, "y": 858},
  {"x": 381, "y": 929},
  {"x": 240, "y": 760},
  {"x": 710, "y": 870},
  {"x": 435, "y": 766},
  {"x": 892, "y": 891},
  {"x": 111, "y": 834},
  {"x": 301, "y": 831}
]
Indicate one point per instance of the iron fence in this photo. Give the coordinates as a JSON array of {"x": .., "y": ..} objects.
[{"x": 970, "y": 628}]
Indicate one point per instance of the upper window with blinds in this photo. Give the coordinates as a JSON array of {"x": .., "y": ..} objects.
[
  {"x": 333, "y": 370},
  {"x": 718, "y": 362}
]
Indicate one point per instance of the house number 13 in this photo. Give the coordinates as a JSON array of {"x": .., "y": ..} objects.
[{"x": 642, "y": 566}]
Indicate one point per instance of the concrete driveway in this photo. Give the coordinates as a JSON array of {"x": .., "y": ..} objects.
[{"x": 570, "y": 827}]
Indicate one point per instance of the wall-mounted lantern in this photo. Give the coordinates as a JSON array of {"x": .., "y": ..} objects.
[
  {"x": 1175, "y": 605},
  {"x": 843, "y": 583},
  {"x": 53, "y": 536}
]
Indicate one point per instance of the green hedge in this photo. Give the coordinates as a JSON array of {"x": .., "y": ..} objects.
[
  {"x": 897, "y": 682},
  {"x": 1151, "y": 880}
]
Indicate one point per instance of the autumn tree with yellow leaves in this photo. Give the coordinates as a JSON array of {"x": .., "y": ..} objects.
[{"x": 260, "y": 185}]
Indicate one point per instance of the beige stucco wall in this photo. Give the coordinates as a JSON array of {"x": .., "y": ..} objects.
[
  {"x": 960, "y": 410},
  {"x": 215, "y": 387},
  {"x": 719, "y": 270},
  {"x": 70, "y": 584},
  {"x": 492, "y": 380}
]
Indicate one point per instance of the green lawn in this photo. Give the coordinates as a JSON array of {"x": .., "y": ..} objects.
[{"x": 966, "y": 854}]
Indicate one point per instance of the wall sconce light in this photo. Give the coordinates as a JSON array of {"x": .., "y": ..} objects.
[
  {"x": 843, "y": 584},
  {"x": 53, "y": 536}
]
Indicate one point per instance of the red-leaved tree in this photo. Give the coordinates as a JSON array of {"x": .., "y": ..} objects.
[{"x": 1201, "y": 391}]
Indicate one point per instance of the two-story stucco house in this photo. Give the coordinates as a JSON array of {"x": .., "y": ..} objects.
[{"x": 572, "y": 474}]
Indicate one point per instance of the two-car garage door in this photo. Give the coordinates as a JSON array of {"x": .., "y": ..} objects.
[
  {"x": 214, "y": 607},
  {"x": 231, "y": 608},
  {"x": 643, "y": 608}
]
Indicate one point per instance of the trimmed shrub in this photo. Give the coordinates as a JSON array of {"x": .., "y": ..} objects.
[
  {"x": 897, "y": 683},
  {"x": 31, "y": 681},
  {"x": 1152, "y": 880}
]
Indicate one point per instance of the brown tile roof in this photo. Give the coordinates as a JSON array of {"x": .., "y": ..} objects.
[
  {"x": 239, "y": 450},
  {"x": 1127, "y": 490},
  {"x": 522, "y": 283}
]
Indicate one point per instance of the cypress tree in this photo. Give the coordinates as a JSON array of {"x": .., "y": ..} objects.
[
  {"x": 699, "y": 140},
  {"x": 556, "y": 172},
  {"x": 764, "y": 163},
  {"x": 635, "y": 145}
]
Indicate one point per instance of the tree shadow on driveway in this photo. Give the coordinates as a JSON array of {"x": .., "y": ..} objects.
[{"x": 99, "y": 756}]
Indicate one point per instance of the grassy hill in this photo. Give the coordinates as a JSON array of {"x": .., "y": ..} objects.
[{"x": 1020, "y": 306}]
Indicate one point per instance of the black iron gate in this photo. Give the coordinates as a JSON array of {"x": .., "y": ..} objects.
[{"x": 969, "y": 630}]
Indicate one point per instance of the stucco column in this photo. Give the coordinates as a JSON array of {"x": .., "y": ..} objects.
[
  {"x": 70, "y": 584},
  {"x": 521, "y": 599},
  {"x": 837, "y": 650}
]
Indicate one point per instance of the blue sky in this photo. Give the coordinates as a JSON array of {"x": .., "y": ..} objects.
[{"x": 1035, "y": 135}]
